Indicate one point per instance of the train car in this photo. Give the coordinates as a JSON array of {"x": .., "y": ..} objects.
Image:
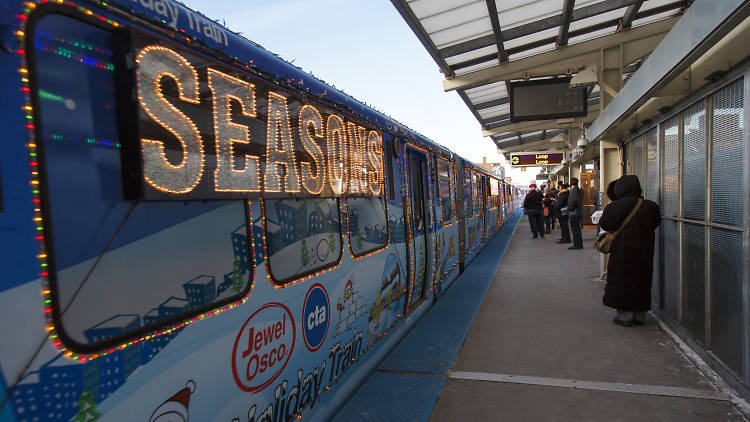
[{"x": 194, "y": 229}]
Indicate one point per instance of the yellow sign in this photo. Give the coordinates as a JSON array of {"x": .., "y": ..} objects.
[{"x": 515, "y": 159}]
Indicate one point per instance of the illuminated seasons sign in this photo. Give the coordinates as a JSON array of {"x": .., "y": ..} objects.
[
  {"x": 206, "y": 131},
  {"x": 536, "y": 158}
]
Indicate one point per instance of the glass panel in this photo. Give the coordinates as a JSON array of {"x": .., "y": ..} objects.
[
  {"x": 652, "y": 166},
  {"x": 670, "y": 191},
  {"x": 671, "y": 269},
  {"x": 518, "y": 12},
  {"x": 302, "y": 236},
  {"x": 434, "y": 7},
  {"x": 639, "y": 163},
  {"x": 462, "y": 32},
  {"x": 487, "y": 92},
  {"x": 629, "y": 158},
  {"x": 368, "y": 229},
  {"x": 145, "y": 264},
  {"x": 727, "y": 151},
  {"x": 726, "y": 297},
  {"x": 694, "y": 162},
  {"x": 499, "y": 110},
  {"x": 444, "y": 181},
  {"x": 494, "y": 193},
  {"x": 694, "y": 280},
  {"x": 471, "y": 55}
]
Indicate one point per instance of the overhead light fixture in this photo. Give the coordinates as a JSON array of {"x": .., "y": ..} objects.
[
  {"x": 582, "y": 142},
  {"x": 558, "y": 138},
  {"x": 585, "y": 78}
]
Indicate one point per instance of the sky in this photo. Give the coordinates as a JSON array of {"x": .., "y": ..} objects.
[{"x": 366, "y": 49}]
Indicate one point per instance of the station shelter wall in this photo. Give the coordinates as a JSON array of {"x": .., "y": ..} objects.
[{"x": 693, "y": 163}]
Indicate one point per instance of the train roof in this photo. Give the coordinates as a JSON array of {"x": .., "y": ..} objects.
[{"x": 244, "y": 53}]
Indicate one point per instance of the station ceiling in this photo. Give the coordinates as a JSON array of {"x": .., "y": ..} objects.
[{"x": 482, "y": 45}]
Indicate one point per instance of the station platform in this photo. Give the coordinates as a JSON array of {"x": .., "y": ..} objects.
[{"x": 523, "y": 335}]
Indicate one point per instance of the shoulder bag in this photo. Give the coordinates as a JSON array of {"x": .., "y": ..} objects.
[{"x": 603, "y": 242}]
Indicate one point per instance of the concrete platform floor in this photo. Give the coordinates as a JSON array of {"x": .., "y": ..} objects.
[{"x": 543, "y": 348}]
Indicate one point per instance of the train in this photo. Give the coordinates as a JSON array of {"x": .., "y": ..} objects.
[{"x": 194, "y": 229}]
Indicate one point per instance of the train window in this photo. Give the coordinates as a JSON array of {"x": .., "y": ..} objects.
[
  {"x": 445, "y": 191},
  {"x": 468, "y": 197},
  {"x": 475, "y": 193},
  {"x": 494, "y": 192},
  {"x": 118, "y": 269},
  {"x": 303, "y": 236},
  {"x": 368, "y": 225}
]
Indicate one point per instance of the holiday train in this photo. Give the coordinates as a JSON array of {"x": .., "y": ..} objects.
[{"x": 195, "y": 229}]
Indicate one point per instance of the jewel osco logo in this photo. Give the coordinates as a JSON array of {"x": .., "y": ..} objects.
[
  {"x": 316, "y": 315},
  {"x": 263, "y": 347}
]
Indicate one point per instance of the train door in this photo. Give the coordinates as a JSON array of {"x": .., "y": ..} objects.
[
  {"x": 590, "y": 190},
  {"x": 458, "y": 183},
  {"x": 418, "y": 220},
  {"x": 485, "y": 208}
]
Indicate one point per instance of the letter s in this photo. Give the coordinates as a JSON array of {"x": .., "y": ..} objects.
[{"x": 154, "y": 63}]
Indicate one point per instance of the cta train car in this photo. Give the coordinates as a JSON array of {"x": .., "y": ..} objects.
[{"x": 194, "y": 229}]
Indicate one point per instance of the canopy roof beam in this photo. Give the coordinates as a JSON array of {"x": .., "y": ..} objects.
[
  {"x": 502, "y": 55},
  {"x": 637, "y": 43},
  {"x": 567, "y": 15},
  {"x": 533, "y": 27},
  {"x": 629, "y": 16},
  {"x": 535, "y": 125}
]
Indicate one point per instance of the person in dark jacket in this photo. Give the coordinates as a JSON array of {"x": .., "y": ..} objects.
[
  {"x": 533, "y": 208},
  {"x": 562, "y": 202},
  {"x": 575, "y": 211},
  {"x": 631, "y": 259},
  {"x": 548, "y": 202}
]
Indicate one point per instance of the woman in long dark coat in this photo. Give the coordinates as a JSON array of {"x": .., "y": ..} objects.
[{"x": 631, "y": 258}]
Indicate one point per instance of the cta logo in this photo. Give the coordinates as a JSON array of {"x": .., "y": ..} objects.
[
  {"x": 263, "y": 347},
  {"x": 316, "y": 314}
]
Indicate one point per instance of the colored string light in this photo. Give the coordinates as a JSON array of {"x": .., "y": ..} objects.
[
  {"x": 42, "y": 256},
  {"x": 74, "y": 56}
]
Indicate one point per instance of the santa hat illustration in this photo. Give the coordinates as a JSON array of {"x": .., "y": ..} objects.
[{"x": 176, "y": 408}]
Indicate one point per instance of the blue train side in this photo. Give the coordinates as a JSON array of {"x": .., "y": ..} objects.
[{"x": 243, "y": 307}]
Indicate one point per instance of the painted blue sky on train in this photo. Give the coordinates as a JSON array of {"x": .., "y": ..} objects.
[{"x": 364, "y": 48}]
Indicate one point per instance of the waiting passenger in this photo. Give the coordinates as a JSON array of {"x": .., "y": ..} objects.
[
  {"x": 575, "y": 211},
  {"x": 532, "y": 205},
  {"x": 561, "y": 212},
  {"x": 631, "y": 258},
  {"x": 549, "y": 204}
]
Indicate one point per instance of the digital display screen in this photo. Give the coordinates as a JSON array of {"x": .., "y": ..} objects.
[
  {"x": 209, "y": 131},
  {"x": 546, "y": 99},
  {"x": 535, "y": 159}
]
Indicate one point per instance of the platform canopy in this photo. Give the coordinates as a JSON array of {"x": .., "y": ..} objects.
[{"x": 481, "y": 46}]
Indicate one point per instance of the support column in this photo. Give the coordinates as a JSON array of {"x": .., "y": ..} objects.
[
  {"x": 610, "y": 74},
  {"x": 610, "y": 168},
  {"x": 575, "y": 171}
]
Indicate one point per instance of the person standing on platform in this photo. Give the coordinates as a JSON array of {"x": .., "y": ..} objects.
[
  {"x": 533, "y": 208},
  {"x": 575, "y": 210},
  {"x": 549, "y": 203},
  {"x": 554, "y": 191},
  {"x": 562, "y": 207},
  {"x": 631, "y": 258}
]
